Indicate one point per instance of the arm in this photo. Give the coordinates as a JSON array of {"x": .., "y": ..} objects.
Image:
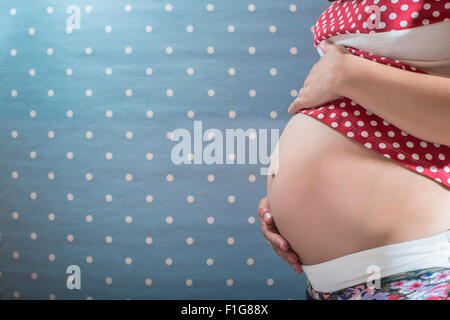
[{"x": 416, "y": 103}]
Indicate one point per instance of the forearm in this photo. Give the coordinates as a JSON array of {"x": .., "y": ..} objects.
[{"x": 416, "y": 103}]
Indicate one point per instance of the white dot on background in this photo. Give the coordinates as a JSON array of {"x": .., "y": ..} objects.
[
  {"x": 89, "y": 135},
  {"x": 149, "y": 198},
  {"x": 12, "y": 11},
  {"x": 88, "y": 50},
  {"x": 69, "y": 72},
  {"x": 14, "y": 174},
  {"x": 251, "y": 7},
  {"x": 70, "y": 238},
  {"x": 89, "y": 218},
  {"x": 34, "y": 276},
  {"x": 149, "y": 71},
  {"x": 50, "y": 93},
  {"x": 31, "y": 31},
  {"x": 169, "y": 92},
  {"x": 108, "y": 29},
  {"x": 32, "y": 72},
  {"x": 169, "y": 177},
  {"x": 250, "y": 261},
  {"x": 169, "y": 7},
  {"x": 69, "y": 155},
  {"x": 128, "y": 50},
  {"x": 108, "y": 280},
  {"x": 89, "y": 93},
  {"x": 211, "y": 178},
  {"x": 272, "y": 29},
  {"x": 128, "y": 219},
  {"x": 210, "y": 7},
  {"x": 210, "y": 220},
  {"x": 129, "y": 177},
  {"x": 16, "y": 294},
  {"x": 15, "y": 255},
  {"x": 231, "y": 199},
  {"x": 109, "y": 114},
  {"x": 14, "y": 93},
  {"x": 270, "y": 282},
  {"x": 189, "y": 282},
  {"x": 70, "y": 197},
  {"x": 15, "y": 215},
  {"x": 169, "y": 50},
  {"x": 128, "y": 8},
  {"x": 129, "y": 135},
  {"x": 128, "y": 260},
  {"x": 149, "y": 156},
  {"x": 148, "y": 240},
  {"x": 230, "y": 241},
  {"x": 13, "y": 52},
  {"x": 169, "y": 220},
  {"x": 108, "y": 198},
  {"x": 148, "y": 29},
  {"x": 210, "y": 50},
  {"x": 292, "y": 8},
  {"x": 252, "y": 93},
  {"x": 33, "y": 154},
  {"x": 231, "y": 28},
  {"x": 51, "y": 216},
  {"x": 129, "y": 92},
  {"x": 89, "y": 259},
  {"x": 88, "y": 9},
  {"x": 229, "y": 282},
  {"x": 148, "y": 282},
  {"x": 190, "y": 28},
  {"x": 252, "y": 50},
  {"x": 209, "y": 261},
  {"x": 51, "y": 176},
  {"x": 169, "y": 261},
  {"x": 189, "y": 240},
  {"x": 51, "y": 257},
  {"x": 251, "y": 220},
  {"x": 108, "y": 156},
  {"x": 50, "y": 51},
  {"x": 190, "y": 199},
  {"x": 108, "y": 239},
  {"x": 89, "y": 176}
]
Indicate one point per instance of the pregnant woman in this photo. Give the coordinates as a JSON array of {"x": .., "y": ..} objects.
[{"x": 358, "y": 192}]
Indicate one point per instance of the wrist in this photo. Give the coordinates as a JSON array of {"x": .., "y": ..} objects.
[{"x": 349, "y": 75}]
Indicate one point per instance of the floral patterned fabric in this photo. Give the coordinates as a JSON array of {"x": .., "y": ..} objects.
[{"x": 427, "y": 284}]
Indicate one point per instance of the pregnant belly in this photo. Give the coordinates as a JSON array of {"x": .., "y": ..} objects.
[{"x": 331, "y": 196}]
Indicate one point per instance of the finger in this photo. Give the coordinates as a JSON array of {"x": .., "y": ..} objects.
[
  {"x": 326, "y": 46},
  {"x": 273, "y": 236},
  {"x": 289, "y": 256},
  {"x": 298, "y": 267},
  {"x": 299, "y": 103},
  {"x": 263, "y": 207}
]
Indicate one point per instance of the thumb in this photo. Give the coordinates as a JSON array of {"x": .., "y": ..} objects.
[{"x": 325, "y": 46}]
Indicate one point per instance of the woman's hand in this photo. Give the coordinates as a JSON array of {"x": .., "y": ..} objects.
[
  {"x": 270, "y": 231},
  {"x": 324, "y": 79}
]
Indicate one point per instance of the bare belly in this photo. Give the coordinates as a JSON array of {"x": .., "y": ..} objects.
[{"x": 331, "y": 196}]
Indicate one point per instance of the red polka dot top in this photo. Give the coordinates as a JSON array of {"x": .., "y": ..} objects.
[{"x": 346, "y": 116}]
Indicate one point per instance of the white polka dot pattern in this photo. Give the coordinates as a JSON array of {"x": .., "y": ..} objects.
[{"x": 429, "y": 159}]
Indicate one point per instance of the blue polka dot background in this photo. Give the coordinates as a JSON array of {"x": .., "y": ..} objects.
[{"x": 90, "y": 94}]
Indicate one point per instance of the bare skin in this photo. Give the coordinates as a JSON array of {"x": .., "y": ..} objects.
[{"x": 331, "y": 196}]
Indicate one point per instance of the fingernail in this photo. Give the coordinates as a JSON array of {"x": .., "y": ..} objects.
[{"x": 266, "y": 215}]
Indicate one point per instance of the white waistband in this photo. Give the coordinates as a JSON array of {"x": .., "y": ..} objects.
[{"x": 358, "y": 267}]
